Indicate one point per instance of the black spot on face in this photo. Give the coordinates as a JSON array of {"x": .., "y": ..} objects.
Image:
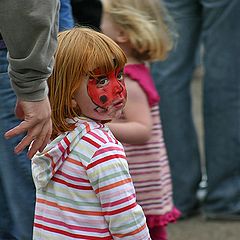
[{"x": 103, "y": 98}]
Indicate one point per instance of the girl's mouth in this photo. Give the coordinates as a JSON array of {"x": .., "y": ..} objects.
[{"x": 118, "y": 104}]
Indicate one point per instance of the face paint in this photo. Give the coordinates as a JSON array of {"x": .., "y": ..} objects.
[{"x": 103, "y": 90}]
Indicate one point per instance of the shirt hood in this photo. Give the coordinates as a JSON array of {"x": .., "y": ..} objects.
[{"x": 46, "y": 163}]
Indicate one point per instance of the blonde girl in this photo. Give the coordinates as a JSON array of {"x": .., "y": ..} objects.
[
  {"x": 140, "y": 29},
  {"x": 84, "y": 189}
]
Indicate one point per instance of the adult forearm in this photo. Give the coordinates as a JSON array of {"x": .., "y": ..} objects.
[{"x": 29, "y": 29}]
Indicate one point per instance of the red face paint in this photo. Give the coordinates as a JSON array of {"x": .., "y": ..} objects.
[{"x": 105, "y": 89}]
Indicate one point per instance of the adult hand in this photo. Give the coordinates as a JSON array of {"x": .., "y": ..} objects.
[{"x": 36, "y": 122}]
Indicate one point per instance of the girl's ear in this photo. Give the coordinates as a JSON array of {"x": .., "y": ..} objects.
[
  {"x": 75, "y": 106},
  {"x": 122, "y": 36},
  {"x": 74, "y": 103}
]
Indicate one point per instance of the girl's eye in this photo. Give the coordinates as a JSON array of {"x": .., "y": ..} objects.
[
  {"x": 120, "y": 76},
  {"x": 102, "y": 82}
]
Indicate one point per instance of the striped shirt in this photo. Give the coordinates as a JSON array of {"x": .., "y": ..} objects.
[
  {"x": 149, "y": 168},
  {"x": 84, "y": 189}
]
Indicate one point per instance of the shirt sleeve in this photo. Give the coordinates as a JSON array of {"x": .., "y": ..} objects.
[
  {"x": 29, "y": 29},
  {"x": 109, "y": 175}
]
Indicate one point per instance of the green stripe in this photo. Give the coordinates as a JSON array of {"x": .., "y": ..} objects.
[
  {"x": 80, "y": 156},
  {"x": 67, "y": 200},
  {"x": 138, "y": 220},
  {"x": 107, "y": 178},
  {"x": 94, "y": 172}
]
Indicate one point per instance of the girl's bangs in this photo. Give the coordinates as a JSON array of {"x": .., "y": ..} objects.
[{"x": 106, "y": 56}]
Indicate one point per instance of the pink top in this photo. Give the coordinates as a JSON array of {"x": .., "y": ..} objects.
[{"x": 141, "y": 74}]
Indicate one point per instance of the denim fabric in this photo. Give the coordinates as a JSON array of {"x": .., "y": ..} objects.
[
  {"x": 65, "y": 15},
  {"x": 2, "y": 44},
  {"x": 17, "y": 192},
  {"x": 217, "y": 23}
]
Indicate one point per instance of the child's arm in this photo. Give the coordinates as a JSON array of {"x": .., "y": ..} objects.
[
  {"x": 137, "y": 127},
  {"x": 109, "y": 175}
]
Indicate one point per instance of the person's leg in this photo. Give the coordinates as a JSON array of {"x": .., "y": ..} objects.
[
  {"x": 5, "y": 221},
  {"x": 173, "y": 78},
  {"x": 17, "y": 198},
  {"x": 158, "y": 233},
  {"x": 222, "y": 106}
]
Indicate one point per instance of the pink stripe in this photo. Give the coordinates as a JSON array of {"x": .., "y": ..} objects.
[
  {"x": 68, "y": 144},
  {"x": 108, "y": 149},
  {"x": 68, "y": 226},
  {"x": 142, "y": 154},
  {"x": 55, "y": 179},
  {"x": 153, "y": 180},
  {"x": 90, "y": 141},
  {"x": 97, "y": 137},
  {"x": 77, "y": 179},
  {"x": 121, "y": 210},
  {"x": 142, "y": 172},
  {"x": 61, "y": 148},
  {"x": 109, "y": 138},
  {"x": 72, "y": 235},
  {"x": 148, "y": 191},
  {"x": 146, "y": 150},
  {"x": 123, "y": 200},
  {"x": 75, "y": 171},
  {"x": 90, "y": 220},
  {"x": 143, "y": 163},
  {"x": 116, "y": 194},
  {"x": 150, "y": 166},
  {"x": 105, "y": 159}
]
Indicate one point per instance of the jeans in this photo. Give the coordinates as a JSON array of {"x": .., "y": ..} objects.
[
  {"x": 216, "y": 24},
  {"x": 17, "y": 192}
]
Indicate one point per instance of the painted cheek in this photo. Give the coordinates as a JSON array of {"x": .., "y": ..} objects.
[
  {"x": 124, "y": 90},
  {"x": 118, "y": 87},
  {"x": 98, "y": 95},
  {"x": 104, "y": 96}
]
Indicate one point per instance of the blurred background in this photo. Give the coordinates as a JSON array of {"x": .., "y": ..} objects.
[{"x": 196, "y": 227}]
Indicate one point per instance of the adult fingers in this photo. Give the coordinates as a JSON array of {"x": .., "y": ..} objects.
[
  {"x": 41, "y": 140},
  {"x": 32, "y": 134},
  {"x": 47, "y": 138},
  {"x": 21, "y": 128}
]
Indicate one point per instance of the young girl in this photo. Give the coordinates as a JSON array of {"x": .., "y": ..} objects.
[
  {"x": 84, "y": 189},
  {"x": 140, "y": 30}
]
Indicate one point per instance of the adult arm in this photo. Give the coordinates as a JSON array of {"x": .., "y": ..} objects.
[{"x": 29, "y": 29}]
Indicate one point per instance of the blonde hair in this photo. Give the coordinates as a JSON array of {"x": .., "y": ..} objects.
[
  {"x": 145, "y": 22},
  {"x": 80, "y": 50}
]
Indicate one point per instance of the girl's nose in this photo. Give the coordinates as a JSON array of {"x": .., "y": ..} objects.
[{"x": 118, "y": 87}]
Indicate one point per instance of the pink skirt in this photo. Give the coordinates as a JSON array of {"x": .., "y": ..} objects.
[
  {"x": 157, "y": 224},
  {"x": 163, "y": 220}
]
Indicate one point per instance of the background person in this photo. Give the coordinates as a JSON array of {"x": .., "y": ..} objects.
[
  {"x": 132, "y": 24},
  {"x": 215, "y": 23}
]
